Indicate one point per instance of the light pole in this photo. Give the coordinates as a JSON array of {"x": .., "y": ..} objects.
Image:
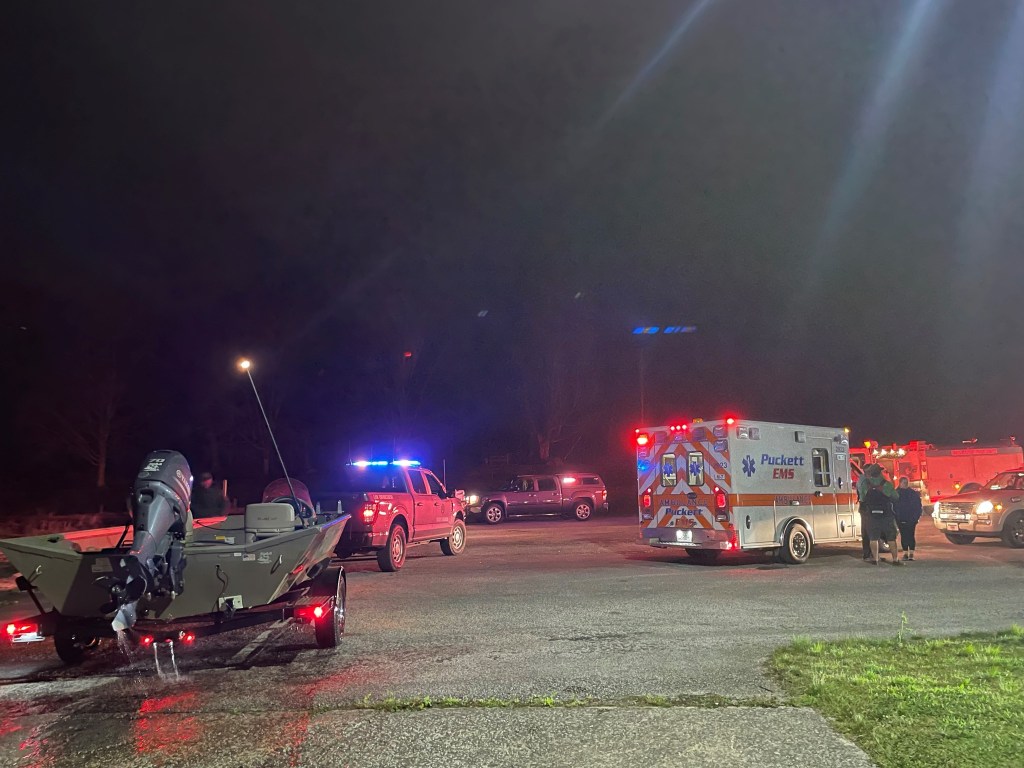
[
  {"x": 246, "y": 365},
  {"x": 646, "y": 332}
]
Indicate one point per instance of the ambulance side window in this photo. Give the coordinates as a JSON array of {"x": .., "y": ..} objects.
[
  {"x": 669, "y": 471},
  {"x": 695, "y": 468},
  {"x": 822, "y": 470}
]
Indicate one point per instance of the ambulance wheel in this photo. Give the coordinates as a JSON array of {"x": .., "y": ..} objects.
[
  {"x": 1013, "y": 530},
  {"x": 796, "y": 544},
  {"x": 703, "y": 555},
  {"x": 493, "y": 513},
  {"x": 330, "y": 627},
  {"x": 71, "y": 646},
  {"x": 959, "y": 538}
]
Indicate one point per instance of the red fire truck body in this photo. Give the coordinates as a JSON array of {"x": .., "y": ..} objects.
[{"x": 939, "y": 471}]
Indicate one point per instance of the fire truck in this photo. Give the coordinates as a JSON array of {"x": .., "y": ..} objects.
[{"x": 939, "y": 471}]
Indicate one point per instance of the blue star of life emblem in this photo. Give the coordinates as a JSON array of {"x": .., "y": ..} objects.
[{"x": 748, "y": 466}]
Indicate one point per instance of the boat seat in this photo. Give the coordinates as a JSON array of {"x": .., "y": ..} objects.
[
  {"x": 262, "y": 521},
  {"x": 231, "y": 527}
]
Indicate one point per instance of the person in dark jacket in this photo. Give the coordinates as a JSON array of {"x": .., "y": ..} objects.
[
  {"x": 908, "y": 512},
  {"x": 873, "y": 478},
  {"x": 207, "y": 499}
]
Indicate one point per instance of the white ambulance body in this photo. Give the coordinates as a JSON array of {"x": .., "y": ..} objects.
[{"x": 712, "y": 487}]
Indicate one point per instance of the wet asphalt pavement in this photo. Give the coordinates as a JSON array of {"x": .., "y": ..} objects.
[{"x": 532, "y": 610}]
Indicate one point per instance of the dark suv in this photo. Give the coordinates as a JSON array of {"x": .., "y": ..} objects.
[{"x": 570, "y": 494}]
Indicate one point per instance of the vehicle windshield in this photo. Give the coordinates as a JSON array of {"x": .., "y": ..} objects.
[{"x": 1012, "y": 481}]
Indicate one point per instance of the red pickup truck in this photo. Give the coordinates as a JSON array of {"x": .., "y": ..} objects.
[{"x": 394, "y": 505}]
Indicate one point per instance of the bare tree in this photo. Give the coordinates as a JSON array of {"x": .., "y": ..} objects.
[
  {"x": 556, "y": 390},
  {"x": 84, "y": 420}
]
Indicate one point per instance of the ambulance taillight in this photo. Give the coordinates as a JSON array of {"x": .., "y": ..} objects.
[
  {"x": 646, "y": 499},
  {"x": 721, "y": 505}
]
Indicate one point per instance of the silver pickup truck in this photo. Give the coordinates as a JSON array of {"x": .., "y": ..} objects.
[{"x": 570, "y": 494}]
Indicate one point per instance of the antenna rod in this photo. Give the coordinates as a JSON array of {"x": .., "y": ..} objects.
[{"x": 245, "y": 365}]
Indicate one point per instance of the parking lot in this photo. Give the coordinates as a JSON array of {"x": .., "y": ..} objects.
[{"x": 545, "y": 609}]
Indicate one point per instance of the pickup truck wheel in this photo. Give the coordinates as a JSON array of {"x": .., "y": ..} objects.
[
  {"x": 796, "y": 544},
  {"x": 330, "y": 628},
  {"x": 582, "y": 510},
  {"x": 392, "y": 557},
  {"x": 71, "y": 646},
  {"x": 1013, "y": 530},
  {"x": 959, "y": 538},
  {"x": 456, "y": 543},
  {"x": 494, "y": 513}
]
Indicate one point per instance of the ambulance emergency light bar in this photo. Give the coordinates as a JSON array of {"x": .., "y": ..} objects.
[
  {"x": 651, "y": 330},
  {"x": 398, "y": 463},
  {"x": 644, "y": 438}
]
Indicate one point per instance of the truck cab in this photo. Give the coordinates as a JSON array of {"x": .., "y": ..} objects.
[
  {"x": 994, "y": 511},
  {"x": 395, "y": 505}
]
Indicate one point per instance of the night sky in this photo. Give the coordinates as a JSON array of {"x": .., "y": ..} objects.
[{"x": 830, "y": 191}]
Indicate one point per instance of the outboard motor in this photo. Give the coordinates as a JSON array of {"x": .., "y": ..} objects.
[{"x": 156, "y": 560}]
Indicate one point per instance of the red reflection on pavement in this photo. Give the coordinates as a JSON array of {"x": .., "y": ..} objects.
[{"x": 162, "y": 727}]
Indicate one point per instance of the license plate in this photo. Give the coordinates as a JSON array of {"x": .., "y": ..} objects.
[
  {"x": 684, "y": 536},
  {"x": 952, "y": 526}
]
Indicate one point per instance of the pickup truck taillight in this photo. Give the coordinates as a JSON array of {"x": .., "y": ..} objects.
[{"x": 372, "y": 509}]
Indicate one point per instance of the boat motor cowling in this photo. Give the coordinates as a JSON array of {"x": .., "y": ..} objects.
[{"x": 156, "y": 560}]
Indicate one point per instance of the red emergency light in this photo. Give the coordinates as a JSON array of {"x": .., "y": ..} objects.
[
  {"x": 642, "y": 438},
  {"x": 721, "y": 500},
  {"x": 730, "y": 421},
  {"x": 646, "y": 499},
  {"x": 679, "y": 428}
]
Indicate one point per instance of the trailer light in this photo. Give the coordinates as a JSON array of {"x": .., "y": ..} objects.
[
  {"x": 189, "y": 637},
  {"x": 642, "y": 438},
  {"x": 318, "y": 612},
  {"x": 147, "y": 640},
  {"x": 23, "y": 633}
]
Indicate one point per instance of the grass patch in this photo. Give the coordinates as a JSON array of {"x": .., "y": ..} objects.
[{"x": 914, "y": 702}]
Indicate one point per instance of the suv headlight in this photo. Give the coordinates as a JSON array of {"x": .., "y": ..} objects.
[{"x": 984, "y": 508}]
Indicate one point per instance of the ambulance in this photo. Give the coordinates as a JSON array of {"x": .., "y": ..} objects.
[{"x": 738, "y": 485}]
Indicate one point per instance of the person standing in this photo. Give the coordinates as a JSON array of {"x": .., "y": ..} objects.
[
  {"x": 908, "y": 513},
  {"x": 878, "y": 520},
  {"x": 207, "y": 499}
]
